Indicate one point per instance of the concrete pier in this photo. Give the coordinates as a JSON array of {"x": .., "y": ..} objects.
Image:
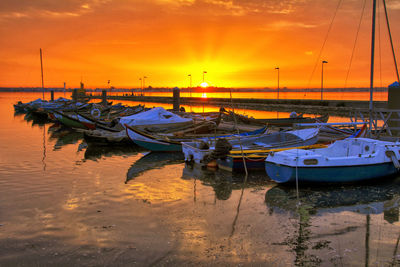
[
  {"x": 333, "y": 107},
  {"x": 176, "y": 99},
  {"x": 394, "y": 104}
]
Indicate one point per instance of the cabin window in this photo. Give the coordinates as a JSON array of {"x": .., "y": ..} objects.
[
  {"x": 310, "y": 161},
  {"x": 366, "y": 148}
]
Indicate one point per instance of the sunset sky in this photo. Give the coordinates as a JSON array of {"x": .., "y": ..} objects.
[{"x": 238, "y": 42}]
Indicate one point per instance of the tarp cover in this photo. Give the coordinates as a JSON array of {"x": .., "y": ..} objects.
[{"x": 156, "y": 115}]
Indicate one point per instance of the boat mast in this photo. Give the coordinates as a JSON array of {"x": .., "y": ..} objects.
[
  {"x": 371, "y": 84},
  {"x": 41, "y": 68}
]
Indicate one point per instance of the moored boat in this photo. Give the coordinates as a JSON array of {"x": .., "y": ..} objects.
[
  {"x": 71, "y": 120},
  {"x": 278, "y": 122},
  {"x": 155, "y": 142},
  {"x": 348, "y": 160},
  {"x": 254, "y": 149}
]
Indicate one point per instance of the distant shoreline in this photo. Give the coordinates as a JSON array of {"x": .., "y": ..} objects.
[{"x": 195, "y": 89}]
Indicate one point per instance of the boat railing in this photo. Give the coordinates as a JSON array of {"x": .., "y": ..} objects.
[{"x": 384, "y": 122}]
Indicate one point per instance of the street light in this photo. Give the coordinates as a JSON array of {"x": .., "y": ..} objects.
[
  {"x": 190, "y": 84},
  {"x": 144, "y": 83},
  {"x": 204, "y": 72},
  {"x": 141, "y": 85},
  {"x": 322, "y": 76},
  {"x": 277, "y": 68}
]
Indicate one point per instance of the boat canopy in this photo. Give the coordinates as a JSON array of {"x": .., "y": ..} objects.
[
  {"x": 156, "y": 115},
  {"x": 395, "y": 84}
]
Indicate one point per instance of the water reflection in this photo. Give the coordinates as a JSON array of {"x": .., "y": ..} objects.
[
  {"x": 35, "y": 119},
  {"x": 152, "y": 160},
  {"x": 94, "y": 152},
  {"x": 372, "y": 198},
  {"x": 63, "y": 136},
  {"x": 310, "y": 203},
  {"x": 223, "y": 182}
]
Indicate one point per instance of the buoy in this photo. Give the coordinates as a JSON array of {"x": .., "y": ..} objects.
[{"x": 97, "y": 111}]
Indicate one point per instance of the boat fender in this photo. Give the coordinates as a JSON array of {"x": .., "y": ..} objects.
[
  {"x": 392, "y": 155},
  {"x": 97, "y": 111}
]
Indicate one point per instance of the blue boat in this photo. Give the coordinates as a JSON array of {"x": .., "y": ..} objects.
[
  {"x": 165, "y": 143},
  {"x": 348, "y": 160}
]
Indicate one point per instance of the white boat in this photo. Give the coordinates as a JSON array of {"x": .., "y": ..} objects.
[
  {"x": 348, "y": 160},
  {"x": 156, "y": 116}
]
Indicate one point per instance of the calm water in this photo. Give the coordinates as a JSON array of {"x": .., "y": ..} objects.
[
  {"x": 377, "y": 96},
  {"x": 64, "y": 203}
]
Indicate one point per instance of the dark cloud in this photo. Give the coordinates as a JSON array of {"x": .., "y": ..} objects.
[
  {"x": 48, "y": 5},
  {"x": 44, "y": 8}
]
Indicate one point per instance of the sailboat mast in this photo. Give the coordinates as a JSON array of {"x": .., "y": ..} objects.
[
  {"x": 371, "y": 84},
  {"x": 41, "y": 68}
]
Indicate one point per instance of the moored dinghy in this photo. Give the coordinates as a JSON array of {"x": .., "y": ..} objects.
[
  {"x": 171, "y": 143},
  {"x": 254, "y": 148},
  {"x": 348, "y": 160}
]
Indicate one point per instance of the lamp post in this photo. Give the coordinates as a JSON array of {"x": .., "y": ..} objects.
[
  {"x": 322, "y": 77},
  {"x": 277, "y": 68},
  {"x": 144, "y": 83},
  {"x": 190, "y": 84},
  {"x": 204, "y": 72},
  {"x": 141, "y": 86}
]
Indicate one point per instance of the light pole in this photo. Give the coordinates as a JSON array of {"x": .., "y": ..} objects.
[
  {"x": 144, "y": 83},
  {"x": 190, "y": 84},
  {"x": 204, "y": 72},
  {"x": 322, "y": 77},
  {"x": 141, "y": 86},
  {"x": 277, "y": 68}
]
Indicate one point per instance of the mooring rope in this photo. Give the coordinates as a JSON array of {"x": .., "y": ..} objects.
[{"x": 354, "y": 45}]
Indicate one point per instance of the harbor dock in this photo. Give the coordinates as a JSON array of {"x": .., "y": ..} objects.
[{"x": 333, "y": 107}]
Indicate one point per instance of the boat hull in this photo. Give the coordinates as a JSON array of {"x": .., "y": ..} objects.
[
  {"x": 70, "y": 122},
  {"x": 159, "y": 147},
  {"x": 257, "y": 163},
  {"x": 340, "y": 174},
  {"x": 150, "y": 143},
  {"x": 236, "y": 164}
]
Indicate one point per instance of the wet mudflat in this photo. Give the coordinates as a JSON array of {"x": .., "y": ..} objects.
[{"x": 66, "y": 203}]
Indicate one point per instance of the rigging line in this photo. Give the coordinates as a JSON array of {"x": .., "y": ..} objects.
[
  {"x": 380, "y": 45},
  {"x": 367, "y": 234},
  {"x": 237, "y": 213},
  {"x": 245, "y": 168},
  {"x": 354, "y": 45},
  {"x": 240, "y": 143},
  {"x": 44, "y": 148},
  {"x": 323, "y": 45},
  {"x": 391, "y": 41},
  {"x": 395, "y": 251}
]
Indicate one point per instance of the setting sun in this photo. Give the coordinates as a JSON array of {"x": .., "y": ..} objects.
[{"x": 204, "y": 84}]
